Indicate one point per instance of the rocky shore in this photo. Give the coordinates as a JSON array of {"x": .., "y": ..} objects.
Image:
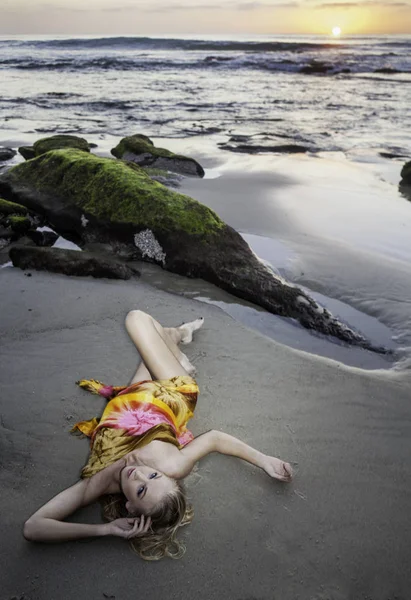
[{"x": 121, "y": 204}]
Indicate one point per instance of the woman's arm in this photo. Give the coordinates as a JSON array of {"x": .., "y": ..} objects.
[
  {"x": 47, "y": 524},
  {"x": 217, "y": 441}
]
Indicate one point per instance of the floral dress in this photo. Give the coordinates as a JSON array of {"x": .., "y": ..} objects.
[{"x": 135, "y": 416}]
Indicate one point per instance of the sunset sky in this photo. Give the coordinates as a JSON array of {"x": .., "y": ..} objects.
[{"x": 204, "y": 16}]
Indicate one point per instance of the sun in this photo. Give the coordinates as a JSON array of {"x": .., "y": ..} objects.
[{"x": 336, "y": 31}]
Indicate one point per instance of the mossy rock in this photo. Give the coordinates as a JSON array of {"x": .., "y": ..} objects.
[
  {"x": 141, "y": 150},
  {"x": 153, "y": 172},
  {"x": 406, "y": 173},
  {"x": 19, "y": 224},
  {"x": 111, "y": 191},
  {"x": 54, "y": 142},
  {"x": 27, "y": 152},
  {"x": 11, "y": 208},
  {"x": 58, "y": 142},
  {"x": 89, "y": 199}
]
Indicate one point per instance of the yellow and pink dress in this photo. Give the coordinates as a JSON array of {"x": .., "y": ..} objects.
[{"x": 135, "y": 416}]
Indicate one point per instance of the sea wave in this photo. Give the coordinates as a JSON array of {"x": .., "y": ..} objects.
[
  {"x": 171, "y": 44},
  {"x": 308, "y": 65}
]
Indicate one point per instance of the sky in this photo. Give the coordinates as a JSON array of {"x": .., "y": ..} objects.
[{"x": 147, "y": 17}]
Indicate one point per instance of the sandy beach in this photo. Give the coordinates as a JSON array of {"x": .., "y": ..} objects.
[
  {"x": 330, "y": 219},
  {"x": 340, "y": 530}
]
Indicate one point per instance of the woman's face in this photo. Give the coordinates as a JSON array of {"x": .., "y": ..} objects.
[{"x": 144, "y": 488}]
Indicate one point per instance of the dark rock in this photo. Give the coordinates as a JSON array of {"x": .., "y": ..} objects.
[
  {"x": 166, "y": 178},
  {"x": 92, "y": 145},
  {"x": 58, "y": 142},
  {"x": 7, "y": 153},
  {"x": 91, "y": 199},
  {"x": 391, "y": 155},
  {"x": 254, "y": 149},
  {"x": 54, "y": 142},
  {"x": 6, "y": 233},
  {"x": 405, "y": 190},
  {"x": 27, "y": 152},
  {"x": 406, "y": 173},
  {"x": 387, "y": 70},
  {"x": 42, "y": 238},
  {"x": 6, "y": 236},
  {"x": 19, "y": 224},
  {"x": 69, "y": 262},
  {"x": 140, "y": 150},
  {"x": 24, "y": 241},
  {"x": 316, "y": 68}
]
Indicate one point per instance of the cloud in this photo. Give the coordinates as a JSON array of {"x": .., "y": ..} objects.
[
  {"x": 109, "y": 6},
  {"x": 247, "y": 6},
  {"x": 365, "y": 3}
]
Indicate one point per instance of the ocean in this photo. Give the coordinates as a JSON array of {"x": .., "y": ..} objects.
[
  {"x": 329, "y": 217},
  {"x": 181, "y": 87}
]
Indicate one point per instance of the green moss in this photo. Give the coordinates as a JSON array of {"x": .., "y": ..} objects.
[
  {"x": 11, "y": 208},
  {"x": 56, "y": 142},
  {"x": 138, "y": 145},
  {"x": 152, "y": 172},
  {"x": 406, "y": 172},
  {"x": 111, "y": 190},
  {"x": 19, "y": 224}
]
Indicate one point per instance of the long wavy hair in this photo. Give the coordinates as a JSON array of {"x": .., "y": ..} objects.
[{"x": 166, "y": 519}]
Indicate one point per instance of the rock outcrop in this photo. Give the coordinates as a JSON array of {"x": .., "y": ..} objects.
[
  {"x": 260, "y": 149},
  {"x": 69, "y": 262},
  {"x": 42, "y": 238},
  {"x": 11, "y": 208},
  {"x": 7, "y": 153},
  {"x": 14, "y": 222},
  {"x": 140, "y": 150},
  {"x": 406, "y": 173},
  {"x": 90, "y": 199},
  {"x": 54, "y": 142}
]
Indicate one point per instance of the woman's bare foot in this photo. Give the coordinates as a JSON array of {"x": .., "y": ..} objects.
[{"x": 187, "y": 330}]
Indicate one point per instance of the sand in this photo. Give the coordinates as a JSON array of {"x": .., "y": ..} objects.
[{"x": 340, "y": 530}]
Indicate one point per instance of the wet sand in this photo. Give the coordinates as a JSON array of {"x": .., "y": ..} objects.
[
  {"x": 341, "y": 530},
  {"x": 336, "y": 227}
]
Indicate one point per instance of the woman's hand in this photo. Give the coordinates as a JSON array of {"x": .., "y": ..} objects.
[
  {"x": 276, "y": 468},
  {"x": 129, "y": 528}
]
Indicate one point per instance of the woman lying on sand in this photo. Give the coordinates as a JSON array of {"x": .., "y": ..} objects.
[{"x": 141, "y": 450}]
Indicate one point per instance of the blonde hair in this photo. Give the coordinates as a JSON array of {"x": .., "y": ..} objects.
[{"x": 166, "y": 519}]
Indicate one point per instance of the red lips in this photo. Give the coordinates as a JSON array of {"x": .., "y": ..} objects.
[{"x": 130, "y": 472}]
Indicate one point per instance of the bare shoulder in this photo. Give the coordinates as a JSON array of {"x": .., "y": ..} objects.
[
  {"x": 195, "y": 450},
  {"x": 171, "y": 461},
  {"x": 158, "y": 455}
]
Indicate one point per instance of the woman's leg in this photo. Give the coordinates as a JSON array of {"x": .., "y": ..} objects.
[
  {"x": 158, "y": 346},
  {"x": 172, "y": 337},
  {"x": 141, "y": 374}
]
